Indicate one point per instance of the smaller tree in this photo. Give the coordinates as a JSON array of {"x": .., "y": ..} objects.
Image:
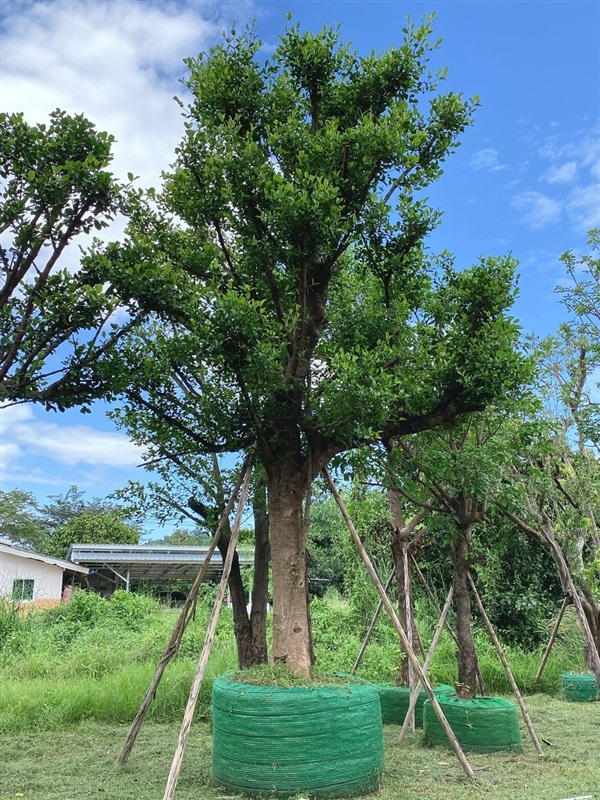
[
  {"x": 92, "y": 528},
  {"x": 20, "y": 519}
]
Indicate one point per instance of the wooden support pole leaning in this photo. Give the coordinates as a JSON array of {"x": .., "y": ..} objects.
[
  {"x": 414, "y": 694},
  {"x": 507, "y": 669},
  {"x": 210, "y": 635},
  {"x": 361, "y": 652},
  {"x": 548, "y": 649},
  {"x": 172, "y": 647},
  {"x": 468, "y": 770},
  {"x": 434, "y": 602}
]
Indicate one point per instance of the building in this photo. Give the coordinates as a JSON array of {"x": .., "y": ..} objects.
[
  {"x": 131, "y": 566},
  {"x": 32, "y": 578}
]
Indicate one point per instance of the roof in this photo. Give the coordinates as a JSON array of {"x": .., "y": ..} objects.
[
  {"x": 150, "y": 562},
  {"x": 22, "y": 552}
]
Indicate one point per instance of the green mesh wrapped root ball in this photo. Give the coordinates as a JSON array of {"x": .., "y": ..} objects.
[
  {"x": 395, "y": 699},
  {"x": 322, "y": 741},
  {"x": 580, "y": 688},
  {"x": 483, "y": 725}
]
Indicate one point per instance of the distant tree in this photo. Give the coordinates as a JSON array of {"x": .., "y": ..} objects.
[
  {"x": 67, "y": 518},
  {"x": 91, "y": 528},
  {"x": 20, "y": 519}
]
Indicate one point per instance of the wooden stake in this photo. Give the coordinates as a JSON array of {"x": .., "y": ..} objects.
[
  {"x": 172, "y": 647},
  {"x": 210, "y": 634},
  {"x": 367, "y": 638},
  {"x": 415, "y": 691},
  {"x": 548, "y": 650},
  {"x": 409, "y": 632},
  {"x": 509, "y": 674},
  {"x": 431, "y": 596},
  {"x": 468, "y": 770}
]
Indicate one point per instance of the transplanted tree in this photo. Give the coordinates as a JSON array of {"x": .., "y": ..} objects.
[
  {"x": 305, "y": 317},
  {"x": 454, "y": 473},
  {"x": 54, "y": 322},
  {"x": 552, "y": 491}
]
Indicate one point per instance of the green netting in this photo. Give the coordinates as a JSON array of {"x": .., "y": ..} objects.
[
  {"x": 483, "y": 725},
  {"x": 323, "y": 741},
  {"x": 580, "y": 688},
  {"x": 395, "y": 699}
]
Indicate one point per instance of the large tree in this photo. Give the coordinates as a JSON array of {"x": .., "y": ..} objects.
[{"x": 304, "y": 315}]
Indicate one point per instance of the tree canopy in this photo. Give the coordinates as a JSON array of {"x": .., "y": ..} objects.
[
  {"x": 55, "y": 320},
  {"x": 296, "y": 309}
]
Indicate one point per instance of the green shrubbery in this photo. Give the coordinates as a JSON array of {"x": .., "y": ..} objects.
[{"x": 94, "y": 658}]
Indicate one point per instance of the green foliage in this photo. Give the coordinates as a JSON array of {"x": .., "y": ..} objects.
[
  {"x": 92, "y": 529},
  {"x": 20, "y": 519},
  {"x": 54, "y": 187},
  {"x": 66, "y": 519}
]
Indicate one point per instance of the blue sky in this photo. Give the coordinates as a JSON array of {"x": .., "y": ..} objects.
[{"x": 526, "y": 178}]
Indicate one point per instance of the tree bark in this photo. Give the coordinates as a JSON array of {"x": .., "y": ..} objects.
[
  {"x": 467, "y": 653},
  {"x": 291, "y": 628},
  {"x": 401, "y": 549},
  {"x": 260, "y": 585}
]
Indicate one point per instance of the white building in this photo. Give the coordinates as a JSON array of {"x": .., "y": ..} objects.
[{"x": 28, "y": 577}]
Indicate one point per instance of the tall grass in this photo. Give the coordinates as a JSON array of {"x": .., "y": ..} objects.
[{"x": 92, "y": 658}]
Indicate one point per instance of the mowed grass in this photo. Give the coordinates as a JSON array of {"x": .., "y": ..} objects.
[{"x": 77, "y": 763}]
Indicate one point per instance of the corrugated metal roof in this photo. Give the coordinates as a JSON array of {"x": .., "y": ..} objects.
[{"x": 149, "y": 562}]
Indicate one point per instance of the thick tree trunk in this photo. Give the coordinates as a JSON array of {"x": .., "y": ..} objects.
[
  {"x": 467, "y": 653},
  {"x": 291, "y": 627}
]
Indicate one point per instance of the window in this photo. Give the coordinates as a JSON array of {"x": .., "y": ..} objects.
[{"x": 22, "y": 589}]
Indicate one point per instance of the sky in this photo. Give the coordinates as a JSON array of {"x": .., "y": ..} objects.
[{"x": 526, "y": 179}]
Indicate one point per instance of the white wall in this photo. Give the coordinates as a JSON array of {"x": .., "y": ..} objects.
[{"x": 47, "y": 578}]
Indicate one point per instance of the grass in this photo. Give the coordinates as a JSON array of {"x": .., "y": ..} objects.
[{"x": 78, "y": 763}]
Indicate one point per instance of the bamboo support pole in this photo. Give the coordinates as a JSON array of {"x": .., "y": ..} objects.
[
  {"x": 468, "y": 770},
  {"x": 409, "y": 632},
  {"x": 431, "y": 596},
  {"x": 210, "y": 634},
  {"x": 369, "y": 633},
  {"x": 548, "y": 649},
  {"x": 172, "y": 647},
  {"x": 414, "y": 694},
  {"x": 507, "y": 669}
]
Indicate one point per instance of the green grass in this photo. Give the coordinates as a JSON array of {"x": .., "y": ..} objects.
[{"x": 78, "y": 763}]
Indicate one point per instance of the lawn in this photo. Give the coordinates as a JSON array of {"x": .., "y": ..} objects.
[{"x": 77, "y": 763}]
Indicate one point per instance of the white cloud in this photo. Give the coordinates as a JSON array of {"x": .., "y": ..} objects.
[
  {"x": 487, "y": 159},
  {"x": 25, "y": 436},
  {"x": 583, "y": 206},
  {"x": 116, "y": 62},
  {"x": 561, "y": 173},
  {"x": 538, "y": 209}
]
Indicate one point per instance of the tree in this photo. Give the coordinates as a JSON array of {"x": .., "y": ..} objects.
[
  {"x": 194, "y": 487},
  {"x": 453, "y": 473},
  {"x": 20, "y": 519},
  {"x": 67, "y": 518},
  {"x": 91, "y": 528},
  {"x": 54, "y": 322},
  {"x": 306, "y": 318},
  {"x": 551, "y": 493}
]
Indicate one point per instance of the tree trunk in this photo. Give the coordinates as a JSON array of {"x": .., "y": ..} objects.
[
  {"x": 291, "y": 628},
  {"x": 400, "y": 545},
  {"x": 260, "y": 586},
  {"x": 467, "y": 653}
]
